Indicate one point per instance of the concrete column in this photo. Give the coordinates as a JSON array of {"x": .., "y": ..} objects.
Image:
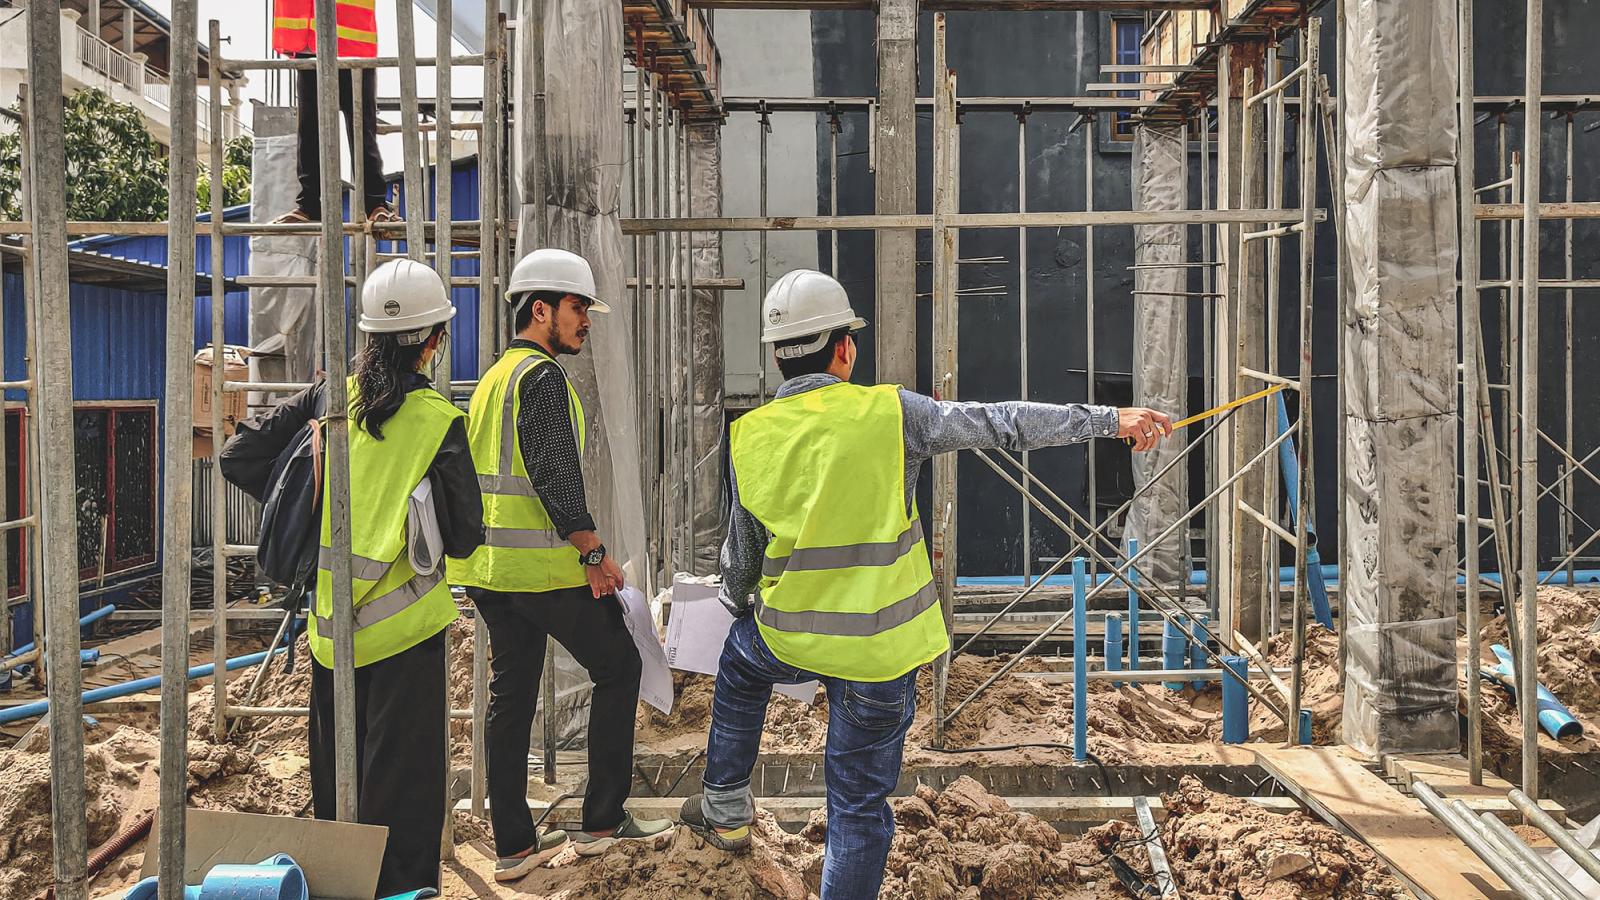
[
  {"x": 894, "y": 331},
  {"x": 1402, "y": 245},
  {"x": 127, "y": 29},
  {"x": 1161, "y": 350},
  {"x": 1241, "y": 340},
  {"x": 705, "y": 199}
]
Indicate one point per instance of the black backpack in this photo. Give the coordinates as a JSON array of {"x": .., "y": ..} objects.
[{"x": 291, "y": 514}]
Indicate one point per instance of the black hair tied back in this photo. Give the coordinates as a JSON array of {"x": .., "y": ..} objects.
[{"x": 380, "y": 373}]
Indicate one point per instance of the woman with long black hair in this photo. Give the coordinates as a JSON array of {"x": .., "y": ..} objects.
[{"x": 408, "y": 451}]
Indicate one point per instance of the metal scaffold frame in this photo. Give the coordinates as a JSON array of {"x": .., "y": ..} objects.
[{"x": 1502, "y": 438}]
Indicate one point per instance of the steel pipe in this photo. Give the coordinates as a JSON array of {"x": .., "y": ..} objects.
[
  {"x": 1583, "y": 856},
  {"x": 1512, "y": 874}
]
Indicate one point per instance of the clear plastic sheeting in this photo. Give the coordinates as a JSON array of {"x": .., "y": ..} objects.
[
  {"x": 283, "y": 335},
  {"x": 1402, "y": 247},
  {"x": 1401, "y": 685},
  {"x": 582, "y": 190},
  {"x": 1160, "y": 346},
  {"x": 705, "y": 199}
]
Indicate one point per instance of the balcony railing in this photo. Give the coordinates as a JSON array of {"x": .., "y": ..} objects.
[{"x": 153, "y": 86}]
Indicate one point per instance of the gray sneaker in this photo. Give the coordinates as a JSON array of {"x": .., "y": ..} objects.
[
  {"x": 734, "y": 840},
  {"x": 654, "y": 832},
  {"x": 511, "y": 868}
]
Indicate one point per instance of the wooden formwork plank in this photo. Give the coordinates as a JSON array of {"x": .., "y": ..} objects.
[{"x": 1418, "y": 848}]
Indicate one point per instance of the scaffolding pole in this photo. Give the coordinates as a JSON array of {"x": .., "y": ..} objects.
[
  {"x": 1528, "y": 658},
  {"x": 57, "y": 509},
  {"x": 1471, "y": 327}
]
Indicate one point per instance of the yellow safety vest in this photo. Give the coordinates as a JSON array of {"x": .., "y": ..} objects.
[
  {"x": 846, "y": 586},
  {"x": 395, "y": 608},
  {"x": 522, "y": 551}
]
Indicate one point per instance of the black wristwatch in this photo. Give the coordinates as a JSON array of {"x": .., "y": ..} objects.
[{"x": 593, "y": 557}]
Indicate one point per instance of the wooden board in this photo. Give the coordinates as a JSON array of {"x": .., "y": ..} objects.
[
  {"x": 1448, "y": 774},
  {"x": 1418, "y": 848}
]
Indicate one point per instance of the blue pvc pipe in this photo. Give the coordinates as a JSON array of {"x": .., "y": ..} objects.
[
  {"x": 1080, "y": 661},
  {"x": 1174, "y": 651},
  {"x": 1133, "y": 611},
  {"x": 1113, "y": 645},
  {"x": 1305, "y": 727},
  {"x": 1197, "y": 649},
  {"x": 1235, "y": 702},
  {"x": 87, "y": 620},
  {"x": 39, "y": 708},
  {"x": 276, "y": 878},
  {"x": 1554, "y": 717},
  {"x": 1289, "y": 462}
]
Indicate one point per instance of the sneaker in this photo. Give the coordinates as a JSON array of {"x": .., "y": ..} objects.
[
  {"x": 511, "y": 868},
  {"x": 654, "y": 832},
  {"x": 735, "y": 840}
]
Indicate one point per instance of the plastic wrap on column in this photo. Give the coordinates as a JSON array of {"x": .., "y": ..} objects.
[
  {"x": 1400, "y": 375},
  {"x": 705, "y": 199},
  {"x": 282, "y": 333},
  {"x": 582, "y": 203},
  {"x": 1160, "y": 346}
]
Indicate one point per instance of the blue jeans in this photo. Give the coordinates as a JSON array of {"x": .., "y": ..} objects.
[{"x": 867, "y": 723}]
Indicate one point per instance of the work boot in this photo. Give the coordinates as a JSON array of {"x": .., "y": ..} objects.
[
  {"x": 511, "y": 868},
  {"x": 654, "y": 832},
  {"x": 733, "y": 840}
]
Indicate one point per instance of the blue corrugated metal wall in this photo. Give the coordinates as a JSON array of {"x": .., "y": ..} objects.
[{"x": 464, "y": 328}]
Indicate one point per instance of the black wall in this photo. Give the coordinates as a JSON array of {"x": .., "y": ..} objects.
[{"x": 1056, "y": 54}]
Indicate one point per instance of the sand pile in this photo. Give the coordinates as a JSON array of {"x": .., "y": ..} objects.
[
  {"x": 1321, "y": 689},
  {"x": 792, "y": 726},
  {"x": 965, "y": 842},
  {"x": 1223, "y": 848},
  {"x": 278, "y": 736},
  {"x": 1569, "y": 651},
  {"x": 1013, "y": 711},
  {"x": 25, "y": 845}
]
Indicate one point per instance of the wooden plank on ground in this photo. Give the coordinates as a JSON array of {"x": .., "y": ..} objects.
[{"x": 1419, "y": 849}]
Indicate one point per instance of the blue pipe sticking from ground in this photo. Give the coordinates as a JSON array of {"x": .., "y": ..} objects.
[
  {"x": 39, "y": 708},
  {"x": 84, "y": 622},
  {"x": 1554, "y": 717},
  {"x": 1289, "y": 462}
]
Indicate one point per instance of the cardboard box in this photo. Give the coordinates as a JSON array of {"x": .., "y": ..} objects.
[
  {"x": 340, "y": 859},
  {"x": 234, "y": 408}
]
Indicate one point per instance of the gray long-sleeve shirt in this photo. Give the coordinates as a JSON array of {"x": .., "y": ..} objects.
[{"x": 931, "y": 427}]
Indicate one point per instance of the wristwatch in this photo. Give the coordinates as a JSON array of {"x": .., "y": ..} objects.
[{"x": 593, "y": 557}]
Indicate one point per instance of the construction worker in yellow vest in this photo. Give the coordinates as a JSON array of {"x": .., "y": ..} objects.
[
  {"x": 543, "y": 570},
  {"x": 826, "y": 569},
  {"x": 403, "y": 434}
]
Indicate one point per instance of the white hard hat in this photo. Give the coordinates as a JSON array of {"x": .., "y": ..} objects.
[
  {"x": 560, "y": 271},
  {"x": 806, "y": 302},
  {"x": 403, "y": 296}
]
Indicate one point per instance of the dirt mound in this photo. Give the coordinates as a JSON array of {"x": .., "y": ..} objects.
[
  {"x": 792, "y": 726},
  {"x": 1223, "y": 848},
  {"x": 1569, "y": 651},
  {"x": 780, "y": 865},
  {"x": 1321, "y": 689},
  {"x": 964, "y": 841},
  {"x": 25, "y": 845}
]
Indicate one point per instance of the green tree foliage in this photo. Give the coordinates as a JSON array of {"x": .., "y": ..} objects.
[
  {"x": 236, "y": 156},
  {"x": 115, "y": 170}
]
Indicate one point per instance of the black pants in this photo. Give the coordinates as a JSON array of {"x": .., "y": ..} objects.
[
  {"x": 375, "y": 190},
  {"x": 594, "y": 633},
  {"x": 400, "y": 758}
]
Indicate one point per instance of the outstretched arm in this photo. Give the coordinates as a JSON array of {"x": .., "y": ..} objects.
[{"x": 941, "y": 426}]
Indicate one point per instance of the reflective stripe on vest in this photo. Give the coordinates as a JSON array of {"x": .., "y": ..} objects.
[
  {"x": 886, "y": 553},
  {"x": 849, "y": 624},
  {"x": 294, "y": 27},
  {"x": 847, "y": 587},
  {"x": 522, "y": 549},
  {"x": 390, "y": 604}
]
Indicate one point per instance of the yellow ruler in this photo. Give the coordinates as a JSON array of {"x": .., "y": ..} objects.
[{"x": 1231, "y": 404}]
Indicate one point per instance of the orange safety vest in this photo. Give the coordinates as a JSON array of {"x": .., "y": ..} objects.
[{"x": 294, "y": 27}]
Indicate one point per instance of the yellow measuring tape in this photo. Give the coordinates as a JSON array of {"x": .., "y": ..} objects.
[
  {"x": 1231, "y": 404},
  {"x": 1219, "y": 410}
]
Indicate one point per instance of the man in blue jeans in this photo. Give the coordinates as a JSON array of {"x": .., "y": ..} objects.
[{"x": 824, "y": 533}]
